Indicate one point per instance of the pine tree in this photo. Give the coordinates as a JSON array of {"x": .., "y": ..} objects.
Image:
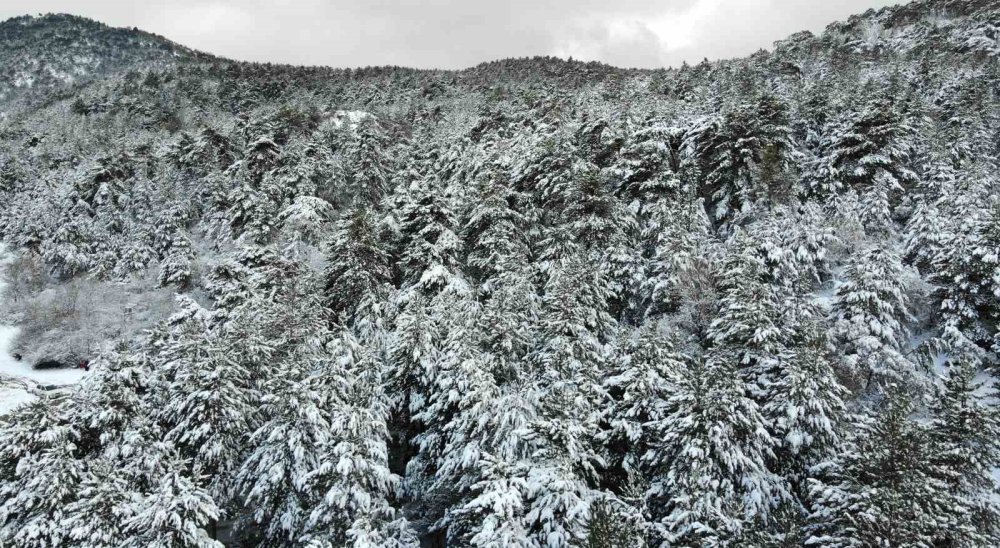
[
  {"x": 880, "y": 490},
  {"x": 710, "y": 483},
  {"x": 870, "y": 314},
  {"x": 640, "y": 385},
  {"x": 680, "y": 258},
  {"x": 359, "y": 265},
  {"x": 749, "y": 326},
  {"x": 494, "y": 514},
  {"x": 431, "y": 248},
  {"x": 648, "y": 164},
  {"x": 107, "y": 500},
  {"x": 40, "y": 474},
  {"x": 964, "y": 452},
  {"x": 968, "y": 268},
  {"x": 286, "y": 450},
  {"x": 367, "y": 165},
  {"x": 867, "y": 151},
  {"x": 116, "y": 409},
  {"x": 495, "y": 233},
  {"x": 176, "y": 269},
  {"x": 70, "y": 248},
  {"x": 925, "y": 234},
  {"x": 806, "y": 410},
  {"x": 353, "y": 477},
  {"x": 870, "y": 147},
  {"x": 567, "y": 374},
  {"x": 174, "y": 514},
  {"x": 743, "y": 154},
  {"x": 209, "y": 401},
  {"x": 305, "y": 224},
  {"x": 258, "y": 193}
]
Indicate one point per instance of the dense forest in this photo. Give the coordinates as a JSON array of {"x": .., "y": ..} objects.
[{"x": 534, "y": 303}]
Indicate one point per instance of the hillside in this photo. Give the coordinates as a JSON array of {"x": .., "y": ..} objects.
[
  {"x": 56, "y": 52},
  {"x": 535, "y": 302}
]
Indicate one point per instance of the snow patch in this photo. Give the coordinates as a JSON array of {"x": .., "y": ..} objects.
[
  {"x": 16, "y": 376},
  {"x": 349, "y": 117}
]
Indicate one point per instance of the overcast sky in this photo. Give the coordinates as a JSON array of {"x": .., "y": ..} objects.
[{"x": 462, "y": 33}]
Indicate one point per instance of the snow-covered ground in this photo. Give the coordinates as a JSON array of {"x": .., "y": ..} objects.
[
  {"x": 23, "y": 370},
  {"x": 11, "y": 397},
  {"x": 16, "y": 376}
]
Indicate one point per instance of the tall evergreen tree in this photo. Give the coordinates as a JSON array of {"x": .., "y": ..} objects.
[
  {"x": 880, "y": 489},
  {"x": 870, "y": 315},
  {"x": 710, "y": 482}
]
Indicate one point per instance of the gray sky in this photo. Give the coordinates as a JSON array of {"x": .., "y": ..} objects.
[{"x": 462, "y": 33}]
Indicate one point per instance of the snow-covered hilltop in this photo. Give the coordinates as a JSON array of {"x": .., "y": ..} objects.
[
  {"x": 536, "y": 302},
  {"x": 54, "y": 52}
]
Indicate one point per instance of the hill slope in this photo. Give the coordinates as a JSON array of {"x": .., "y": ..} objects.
[
  {"x": 752, "y": 302},
  {"x": 56, "y": 51}
]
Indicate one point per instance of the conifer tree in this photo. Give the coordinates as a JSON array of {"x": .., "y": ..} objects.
[
  {"x": 209, "y": 402},
  {"x": 367, "y": 165},
  {"x": 353, "y": 478},
  {"x": 106, "y": 501},
  {"x": 964, "y": 452},
  {"x": 710, "y": 482},
  {"x": 742, "y": 154},
  {"x": 358, "y": 266},
  {"x": 870, "y": 315},
  {"x": 880, "y": 489},
  {"x": 174, "y": 514},
  {"x": 642, "y": 380},
  {"x": 286, "y": 449}
]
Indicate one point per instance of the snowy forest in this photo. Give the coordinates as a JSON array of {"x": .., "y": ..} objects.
[{"x": 534, "y": 303}]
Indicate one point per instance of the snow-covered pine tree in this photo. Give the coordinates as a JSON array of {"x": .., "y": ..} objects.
[
  {"x": 806, "y": 411},
  {"x": 743, "y": 154},
  {"x": 353, "y": 480},
  {"x": 595, "y": 223},
  {"x": 925, "y": 236},
  {"x": 285, "y": 450},
  {"x": 709, "y": 479},
  {"x": 209, "y": 402},
  {"x": 305, "y": 224},
  {"x": 499, "y": 257},
  {"x": 880, "y": 490},
  {"x": 69, "y": 249},
  {"x": 681, "y": 259},
  {"x": 965, "y": 451},
  {"x": 641, "y": 381},
  {"x": 496, "y": 233},
  {"x": 494, "y": 512},
  {"x": 967, "y": 267},
  {"x": 545, "y": 173},
  {"x": 40, "y": 473},
  {"x": 870, "y": 153},
  {"x": 257, "y": 193},
  {"x": 567, "y": 373},
  {"x": 106, "y": 501},
  {"x": 175, "y": 514},
  {"x": 114, "y": 407},
  {"x": 367, "y": 164},
  {"x": 358, "y": 265},
  {"x": 749, "y": 328},
  {"x": 175, "y": 269},
  {"x": 431, "y": 249},
  {"x": 870, "y": 316},
  {"x": 37, "y": 502}
]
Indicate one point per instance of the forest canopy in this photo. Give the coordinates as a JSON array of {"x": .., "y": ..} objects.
[{"x": 537, "y": 302}]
